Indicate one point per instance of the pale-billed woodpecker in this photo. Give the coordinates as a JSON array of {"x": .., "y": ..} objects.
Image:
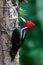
[{"x": 18, "y": 37}]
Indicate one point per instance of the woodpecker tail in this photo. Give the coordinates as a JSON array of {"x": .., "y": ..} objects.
[{"x": 12, "y": 54}]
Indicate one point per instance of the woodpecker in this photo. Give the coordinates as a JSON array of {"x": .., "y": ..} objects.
[{"x": 18, "y": 36}]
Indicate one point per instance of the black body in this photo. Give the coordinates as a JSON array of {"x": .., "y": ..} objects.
[{"x": 17, "y": 39}]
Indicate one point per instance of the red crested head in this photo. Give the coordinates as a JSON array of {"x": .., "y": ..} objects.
[{"x": 29, "y": 24}]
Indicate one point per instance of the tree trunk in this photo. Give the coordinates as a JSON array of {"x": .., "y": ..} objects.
[{"x": 8, "y": 21}]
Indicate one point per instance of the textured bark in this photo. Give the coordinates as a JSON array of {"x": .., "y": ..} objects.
[{"x": 8, "y": 21}]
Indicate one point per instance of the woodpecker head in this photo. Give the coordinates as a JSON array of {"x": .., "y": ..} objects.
[{"x": 28, "y": 24}]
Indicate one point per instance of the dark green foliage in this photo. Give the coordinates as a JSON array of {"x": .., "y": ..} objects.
[{"x": 31, "y": 52}]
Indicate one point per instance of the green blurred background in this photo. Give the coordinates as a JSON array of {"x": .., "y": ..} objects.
[{"x": 31, "y": 52}]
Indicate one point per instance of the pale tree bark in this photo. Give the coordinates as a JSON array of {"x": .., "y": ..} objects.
[{"x": 8, "y": 19}]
